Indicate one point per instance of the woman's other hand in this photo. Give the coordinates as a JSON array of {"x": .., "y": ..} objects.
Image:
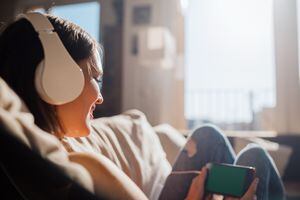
[
  {"x": 197, "y": 190},
  {"x": 250, "y": 194}
]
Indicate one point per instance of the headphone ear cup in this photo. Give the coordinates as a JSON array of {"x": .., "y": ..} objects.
[
  {"x": 41, "y": 88},
  {"x": 38, "y": 82}
]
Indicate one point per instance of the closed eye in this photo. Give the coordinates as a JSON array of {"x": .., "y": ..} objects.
[{"x": 99, "y": 80}]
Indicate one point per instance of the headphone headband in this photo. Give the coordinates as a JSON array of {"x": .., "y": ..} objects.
[{"x": 38, "y": 21}]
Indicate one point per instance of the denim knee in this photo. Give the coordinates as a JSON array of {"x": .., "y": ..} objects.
[
  {"x": 270, "y": 186},
  {"x": 255, "y": 150},
  {"x": 209, "y": 133},
  {"x": 251, "y": 153}
]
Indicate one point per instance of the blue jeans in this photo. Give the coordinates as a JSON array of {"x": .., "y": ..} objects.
[{"x": 211, "y": 145}]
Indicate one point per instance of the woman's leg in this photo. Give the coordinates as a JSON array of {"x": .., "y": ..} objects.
[
  {"x": 270, "y": 186},
  {"x": 206, "y": 144}
]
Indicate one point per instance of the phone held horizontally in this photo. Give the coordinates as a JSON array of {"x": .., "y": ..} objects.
[{"x": 229, "y": 180}]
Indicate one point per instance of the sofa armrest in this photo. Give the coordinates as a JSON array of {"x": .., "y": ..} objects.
[{"x": 171, "y": 140}]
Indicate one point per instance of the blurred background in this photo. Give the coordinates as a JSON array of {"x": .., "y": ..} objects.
[{"x": 233, "y": 63}]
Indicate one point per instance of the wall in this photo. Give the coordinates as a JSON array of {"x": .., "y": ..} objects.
[
  {"x": 151, "y": 87},
  {"x": 7, "y": 10},
  {"x": 287, "y": 111}
]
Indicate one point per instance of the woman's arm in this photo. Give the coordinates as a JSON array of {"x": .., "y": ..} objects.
[{"x": 109, "y": 181}]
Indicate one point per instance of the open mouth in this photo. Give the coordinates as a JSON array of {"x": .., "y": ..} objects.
[{"x": 92, "y": 111}]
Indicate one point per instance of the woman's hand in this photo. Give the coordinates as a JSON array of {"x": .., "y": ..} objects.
[
  {"x": 196, "y": 191},
  {"x": 250, "y": 194}
]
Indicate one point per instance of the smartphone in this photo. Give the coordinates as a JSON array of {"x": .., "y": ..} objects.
[{"x": 229, "y": 180}]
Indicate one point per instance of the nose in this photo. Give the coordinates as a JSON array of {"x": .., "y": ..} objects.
[{"x": 99, "y": 99}]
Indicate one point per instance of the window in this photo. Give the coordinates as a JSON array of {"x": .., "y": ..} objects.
[
  {"x": 86, "y": 15},
  {"x": 230, "y": 62}
]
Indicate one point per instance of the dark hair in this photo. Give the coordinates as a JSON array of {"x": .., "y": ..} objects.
[{"x": 20, "y": 53}]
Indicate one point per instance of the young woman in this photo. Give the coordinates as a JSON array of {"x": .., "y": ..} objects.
[{"x": 21, "y": 52}]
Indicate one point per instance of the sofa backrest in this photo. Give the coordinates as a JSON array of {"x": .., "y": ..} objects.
[{"x": 26, "y": 175}]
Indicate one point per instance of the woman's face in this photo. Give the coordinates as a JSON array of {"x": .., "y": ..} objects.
[{"x": 76, "y": 116}]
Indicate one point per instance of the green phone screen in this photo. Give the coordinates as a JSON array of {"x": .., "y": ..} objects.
[{"x": 224, "y": 179}]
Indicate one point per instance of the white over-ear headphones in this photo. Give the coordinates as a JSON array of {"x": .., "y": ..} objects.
[{"x": 58, "y": 78}]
